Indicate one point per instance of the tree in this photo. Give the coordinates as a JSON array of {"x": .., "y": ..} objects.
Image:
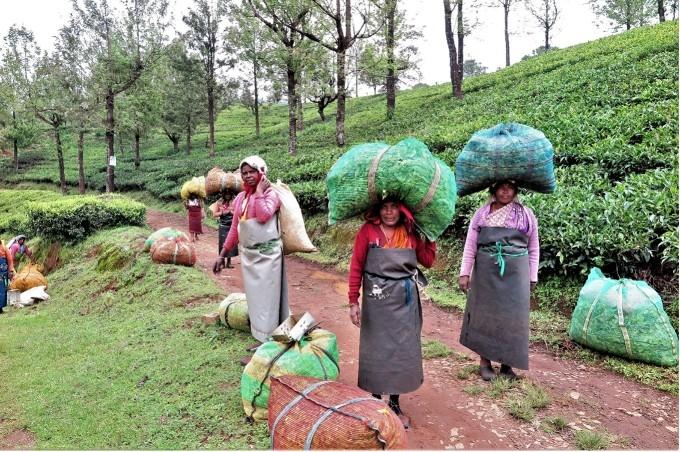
[
  {"x": 319, "y": 81},
  {"x": 507, "y": 5},
  {"x": 473, "y": 68},
  {"x": 391, "y": 79},
  {"x": 337, "y": 19},
  {"x": 538, "y": 51},
  {"x": 202, "y": 37},
  {"x": 662, "y": 10},
  {"x": 626, "y": 13},
  {"x": 454, "y": 66},
  {"x": 371, "y": 67},
  {"x": 545, "y": 12},
  {"x": 122, "y": 46}
]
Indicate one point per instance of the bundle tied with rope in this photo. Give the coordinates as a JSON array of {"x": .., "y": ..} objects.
[
  {"x": 370, "y": 172},
  {"x": 315, "y": 355},
  {"x": 306, "y": 413},
  {"x": 28, "y": 277},
  {"x": 217, "y": 180},
  {"x": 233, "y": 312},
  {"x": 625, "y": 318},
  {"x": 194, "y": 186},
  {"x": 166, "y": 233},
  {"x": 173, "y": 250}
]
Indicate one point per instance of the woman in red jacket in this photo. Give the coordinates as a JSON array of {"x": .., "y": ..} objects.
[{"x": 386, "y": 253}]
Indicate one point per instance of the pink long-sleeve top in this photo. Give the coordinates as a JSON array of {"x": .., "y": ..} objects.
[
  {"x": 479, "y": 221},
  {"x": 372, "y": 234},
  {"x": 261, "y": 207}
]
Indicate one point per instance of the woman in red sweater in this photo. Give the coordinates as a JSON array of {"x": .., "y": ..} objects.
[{"x": 386, "y": 253}]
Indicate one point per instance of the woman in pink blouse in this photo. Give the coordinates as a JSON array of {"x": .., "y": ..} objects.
[
  {"x": 499, "y": 269},
  {"x": 255, "y": 230}
]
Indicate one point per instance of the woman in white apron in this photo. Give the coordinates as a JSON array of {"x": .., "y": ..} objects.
[
  {"x": 386, "y": 253},
  {"x": 255, "y": 230}
]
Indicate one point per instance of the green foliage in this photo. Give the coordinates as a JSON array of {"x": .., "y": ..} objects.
[
  {"x": 587, "y": 440},
  {"x": 435, "y": 349},
  {"x": 464, "y": 372},
  {"x": 554, "y": 424},
  {"x": 520, "y": 409},
  {"x": 535, "y": 396},
  {"x": 114, "y": 257},
  {"x": 473, "y": 390},
  {"x": 73, "y": 218}
]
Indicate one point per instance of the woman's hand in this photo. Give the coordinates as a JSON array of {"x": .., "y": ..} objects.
[
  {"x": 218, "y": 265},
  {"x": 464, "y": 283},
  {"x": 263, "y": 185},
  {"x": 355, "y": 314},
  {"x": 532, "y": 285}
]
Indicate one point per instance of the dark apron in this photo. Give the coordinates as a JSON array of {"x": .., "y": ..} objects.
[
  {"x": 4, "y": 281},
  {"x": 496, "y": 320},
  {"x": 390, "y": 359},
  {"x": 222, "y": 232}
]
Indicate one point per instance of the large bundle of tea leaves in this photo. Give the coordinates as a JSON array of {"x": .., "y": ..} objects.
[{"x": 371, "y": 172}]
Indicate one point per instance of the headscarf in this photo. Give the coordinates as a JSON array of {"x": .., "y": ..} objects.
[
  {"x": 403, "y": 231},
  {"x": 256, "y": 162}
]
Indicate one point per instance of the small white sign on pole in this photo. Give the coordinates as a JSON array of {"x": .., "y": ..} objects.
[{"x": 112, "y": 160}]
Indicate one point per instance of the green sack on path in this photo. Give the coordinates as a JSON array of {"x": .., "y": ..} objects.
[
  {"x": 370, "y": 172},
  {"x": 506, "y": 151},
  {"x": 165, "y": 233},
  {"x": 626, "y": 318},
  {"x": 233, "y": 312},
  {"x": 315, "y": 355}
]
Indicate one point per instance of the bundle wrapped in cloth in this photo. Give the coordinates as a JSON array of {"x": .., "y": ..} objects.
[
  {"x": 506, "y": 151},
  {"x": 315, "y": 355},
  {"x": 370, "y": 172},
  {"x": 195, "y": 186},
  {"x": 292, "y": 223},
  {"x": 166, "y": 233},
  {"x": 28, "y": 278},
  {"x": 218, "y": 180},
  {"x": 626, "y": 318},
  {"x": 307, "y": 413},
  {"x": 233, "y": 312},
  {"x": 174, "y": 250}
]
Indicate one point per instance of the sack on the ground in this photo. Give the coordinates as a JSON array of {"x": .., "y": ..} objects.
[
  {"x": 307, "y": 413},
  {"x": 368, "y": 173},
  {"x": 218, "y": 180},
  {"x": 293, "y": 233},
  {"x": 195, "y": 186},
  {"x": 175, "y": 250},
  {"x": 28, "y": 278},
  {"x": 233, "y": 312},
  {"x": 315, "y": 355},
  {"x": 506, "y": 151},
  {"x": 166, "y": 233},
  {"x": 626, "y": 318},
  {"x": 30, "y": 296}
]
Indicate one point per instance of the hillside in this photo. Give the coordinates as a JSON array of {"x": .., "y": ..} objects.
[{"x": 610, "y": 108}]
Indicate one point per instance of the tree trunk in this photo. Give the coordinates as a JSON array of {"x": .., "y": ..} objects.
[
  {"x": 257, "y": 101},
  {"x": 321, "y": 113},
  {"x": 175, "y": 143},
  {"x": 211, "y": 118},
  {"x": 390, "y": 81},
  {"x": 188, "y": 135},
  {"x": 506, "y": 12},
  {"x": 300, "y": 112},
  {"x": 137, "y": 159},
  {"x": 342, "y": 58},
  {"x": 453, "y": 57},
  {"x": 110, "y": 172},
  {"x": 662, "y": 11},
  {"x": 60, "y": 160},
  {"x": 15, "y": 143},
  {"x": 81, "y": 166},
  {"x": 292, "y": 106},
  {"x": 461, "y": 38}
]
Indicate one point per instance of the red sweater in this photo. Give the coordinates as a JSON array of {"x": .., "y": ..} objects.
[{"x": 372, "y": 234}]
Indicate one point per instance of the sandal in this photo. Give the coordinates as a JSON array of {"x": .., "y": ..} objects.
[
  {"x": 405, "y": 420},
  {"x": 507, "y": 372},
  {"x": 487, "y": 373}
]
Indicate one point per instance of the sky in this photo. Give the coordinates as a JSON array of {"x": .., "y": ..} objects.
[{"x": 576, "y": 24}]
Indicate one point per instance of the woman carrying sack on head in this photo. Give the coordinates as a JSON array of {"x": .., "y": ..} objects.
[
  {"x": 387, "y": 251},
  {"x": 224, "y": 213},
  {"x": 6, "y": 273},
  {"x": 195, "y": 212},
  {"x": 255, "y": 230},
  {"x": 499, "y": 269}
]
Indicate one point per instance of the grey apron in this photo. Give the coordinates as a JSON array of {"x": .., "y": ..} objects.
[
  {"x": 264, "y": 275},
  {"x": 496, "y": 320},
  {"x": 390, "y": 359}
]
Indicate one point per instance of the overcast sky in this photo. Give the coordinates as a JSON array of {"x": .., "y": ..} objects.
[{"x": 575, "y": 24}]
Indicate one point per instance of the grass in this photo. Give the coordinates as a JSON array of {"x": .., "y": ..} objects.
[
  {"x": 499, "y": 387},
  {"x": 588, "y": 440},
  {"x": 535, "y": 396},
  {"x": 445, "y": 296},
  {"x": 520, "y": 409},
  {"x": 474, "y": 389},
  {"x": 554, "y": 424},
  {"x": 434, "y": 349},
  {"x": 464, "y": 372},
  {"x": 119, "y": 359}
]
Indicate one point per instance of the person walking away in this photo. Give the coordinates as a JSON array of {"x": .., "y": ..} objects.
[
  {"x": 195, "y": 212},
  {"x": 6, "y": 273},
  {"x": 499, "y": 268},
  {"x": 387, "y": 250},
  {"x": 255, "y": 230}
]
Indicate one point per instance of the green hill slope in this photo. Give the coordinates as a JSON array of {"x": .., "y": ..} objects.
[{"x": 610, "y": 108}]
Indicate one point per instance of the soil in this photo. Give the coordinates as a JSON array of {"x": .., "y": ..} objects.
[{"x": 443, "y": 415}]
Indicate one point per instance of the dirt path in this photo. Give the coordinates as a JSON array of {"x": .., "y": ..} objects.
[{"x": 446, "y": 417}]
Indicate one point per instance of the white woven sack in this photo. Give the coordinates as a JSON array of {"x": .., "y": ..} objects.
[
  {"x": 292, "y": 224},
  {"x": 30, "y": 296}
]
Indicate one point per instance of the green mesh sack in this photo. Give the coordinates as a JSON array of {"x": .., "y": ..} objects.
[
  {"x": 506, "y": 151},
  {"x": 624, "y": 317},
  {"x": 370, "y": 172},
  {"x": 165, "y": 233},
  {"x": 315, "y": 355}
]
